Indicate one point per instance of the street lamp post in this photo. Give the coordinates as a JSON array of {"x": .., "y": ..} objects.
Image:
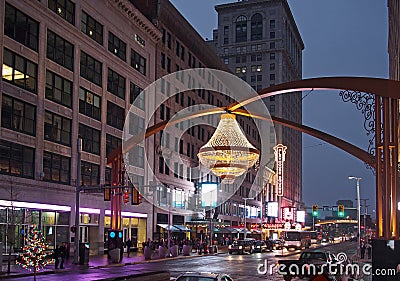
[
  {"x": 77, "y": 203},
  {"x": 358, "y": 212},
  {"x": 245, "y": 209}
]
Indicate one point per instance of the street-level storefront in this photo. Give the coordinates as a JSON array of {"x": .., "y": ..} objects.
[
  {"x": 16, "y": 218},
  {"x": 134, "y": 227}
]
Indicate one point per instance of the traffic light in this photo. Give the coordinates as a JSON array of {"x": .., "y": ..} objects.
[
  {"x": 126, "y": 196},
  {"x": 136, "y": 197},
  {"x": 114, "y": 240},
  {"x": 341, "y": 211},
  {"x": 315, "y": 210}
]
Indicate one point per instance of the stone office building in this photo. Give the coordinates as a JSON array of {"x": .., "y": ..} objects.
[
  {"x": 259, "y": 41},
  {"x": 69, "y": 69}
]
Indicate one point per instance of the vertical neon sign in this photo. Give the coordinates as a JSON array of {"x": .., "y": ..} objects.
[{"x": 280, "y": 152}]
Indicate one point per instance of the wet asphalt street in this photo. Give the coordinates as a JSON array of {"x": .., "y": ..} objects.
[{"x": 239, "y": 267}]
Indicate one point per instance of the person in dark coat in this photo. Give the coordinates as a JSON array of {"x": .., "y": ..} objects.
[
  {"x": 128, "y": 246},
  {"x": 63, "y": 254},
  {"x": 362, "y": 250},
  {"x": 56, "y": 255}
]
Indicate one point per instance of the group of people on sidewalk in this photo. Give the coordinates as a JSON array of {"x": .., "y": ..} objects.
[
  {"x": 60, "y": 254},
  {"x": 196, "y": 244}
]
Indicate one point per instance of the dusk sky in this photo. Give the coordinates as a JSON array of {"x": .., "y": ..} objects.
[{"x": 341, "y": 38}]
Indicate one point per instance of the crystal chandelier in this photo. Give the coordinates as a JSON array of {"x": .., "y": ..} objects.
[{"x": 228, "y": 154}]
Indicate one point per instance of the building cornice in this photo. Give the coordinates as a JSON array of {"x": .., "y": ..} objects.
[
  {"x": 248, "y": 4},
  {"x": 137, "y": 18}
]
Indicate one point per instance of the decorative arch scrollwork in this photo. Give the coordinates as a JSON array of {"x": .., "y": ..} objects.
[{"x": 364, "y": 102}]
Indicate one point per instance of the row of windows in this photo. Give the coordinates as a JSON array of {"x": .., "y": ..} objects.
[
  {"x": 256, "y": 29},
  {"x": 21, "y": 116},
  {"x": 253, "y": 68},
  {"x": 23, "y": 72},
  {"x": 24, "y": 29},
  {"x": 19, "y": 160},
  {"x": 249, "y": 49},
  {"x": 179, "y": 52}
]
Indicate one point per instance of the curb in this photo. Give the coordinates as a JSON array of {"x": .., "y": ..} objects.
[
  {"x": 27, "y": 274},
  {"x": 154, "y": 260}
]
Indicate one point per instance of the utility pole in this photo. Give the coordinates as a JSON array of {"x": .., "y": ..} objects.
[{"x": 78, "y": 190}]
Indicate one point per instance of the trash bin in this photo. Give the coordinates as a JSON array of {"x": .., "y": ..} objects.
[{"x": 84, "y": 253}]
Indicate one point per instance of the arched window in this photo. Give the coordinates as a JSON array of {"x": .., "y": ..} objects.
[
  {"x": 256, "y": 27},
  {"x": 241, "y": 29}
]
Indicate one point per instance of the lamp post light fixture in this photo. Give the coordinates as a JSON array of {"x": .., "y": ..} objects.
[
  {"x": 358, "y": 212},
  {"x": 245, "y": 209}
]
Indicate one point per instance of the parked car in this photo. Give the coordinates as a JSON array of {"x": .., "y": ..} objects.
[
  {"x": 260, "y": 246},
  {"x": 277, "y": 244},
  {"x": 325, "y": 241},
  {"x": 270, "y": 244},
  {"x": 241, "y": 247},
  {"x": 203, "y": 276}
]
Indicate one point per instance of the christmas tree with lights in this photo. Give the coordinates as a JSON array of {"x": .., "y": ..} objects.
[{"x": 35, "y": 255}]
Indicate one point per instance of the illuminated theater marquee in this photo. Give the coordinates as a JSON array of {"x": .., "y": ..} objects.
[{"x": 280, "y": 151}]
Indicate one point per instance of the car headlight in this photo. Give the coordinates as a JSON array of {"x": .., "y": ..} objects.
[
  {"x": 230, "y": 247},
  {"x": 298, "y": 244},
  {"x": 240, "y": 247},
  {"x": 258, "y": 247}
]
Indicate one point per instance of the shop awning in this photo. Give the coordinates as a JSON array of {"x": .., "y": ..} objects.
[
  {"x": 228, "y": 230},
  {"x": 181, "y": 228},
  {"x": 170, "y": 227},
  {"x": 243, "y": 230}
]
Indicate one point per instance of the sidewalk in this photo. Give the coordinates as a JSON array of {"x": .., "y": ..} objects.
[{"x": 99, "y": 261}]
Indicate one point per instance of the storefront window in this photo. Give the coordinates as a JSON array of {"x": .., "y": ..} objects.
[
  {"x": 18, "y": 222},
  {"x": 3, "y": 215},
  {"x": 134, "y": 228},
  {"x": 107, "y": 222},
  {"x": 48, "y": 218},
  {"x": 32, "y": 217},
  {"x": 89, "y": 218},
  {"x": 62, "y": 218}
]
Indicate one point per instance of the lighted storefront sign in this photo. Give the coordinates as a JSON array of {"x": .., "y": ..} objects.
[
  {"x": 288, "y": 214},
  {"x": 209, "y": 194},
  {"x": 272, "y": 209},
  {"x": 301, "y": 216},
  {"x": 280, "y": 151},
  {"x": 255, "y": 226},
  {"x": 272, "y": 225}
]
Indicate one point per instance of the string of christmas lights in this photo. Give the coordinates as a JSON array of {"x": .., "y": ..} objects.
[{"x": 35, "y": 255}]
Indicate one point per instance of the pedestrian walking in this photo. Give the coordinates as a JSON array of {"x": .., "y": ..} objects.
[
  {"x": 63, "y": 254},
  {"x": 368, "y": 246},
  {"x": 128, "y": 246},
  {"x": 56, "y": 255},
  {"x": 362, "y": 250}
]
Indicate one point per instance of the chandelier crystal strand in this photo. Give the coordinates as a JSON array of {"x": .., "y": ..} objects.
[{"x": 228, "y": 154}]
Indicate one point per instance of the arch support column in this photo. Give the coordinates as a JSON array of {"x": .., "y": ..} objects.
[{"x": 386, "y": 137}]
